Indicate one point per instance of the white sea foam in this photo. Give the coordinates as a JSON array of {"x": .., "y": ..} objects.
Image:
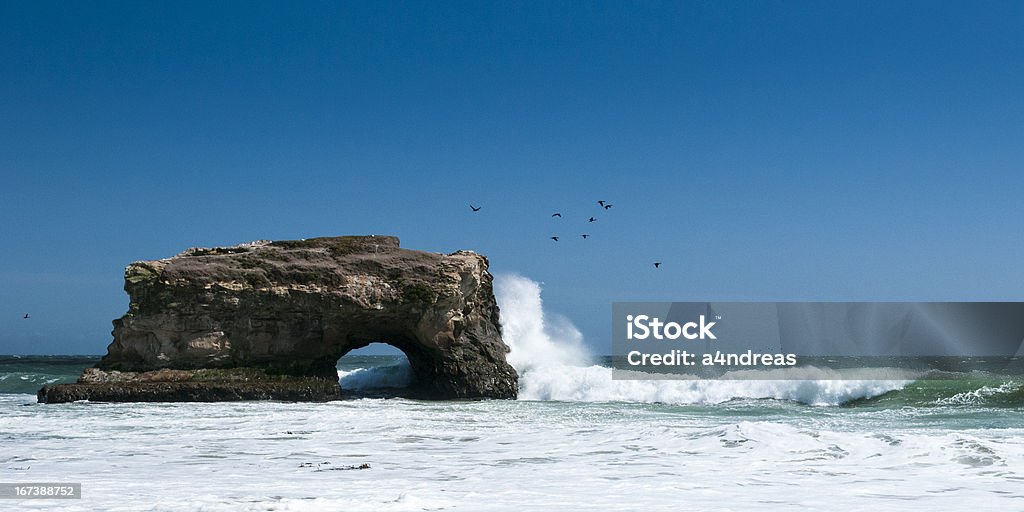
[
  {"x": 548, "y": 352},
  {"x": 979, "y": 395},
  {"x": 595, "y": 384},
  {"x": 504, "y": 455}
]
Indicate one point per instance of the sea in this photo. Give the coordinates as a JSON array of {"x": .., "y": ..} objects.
[{"x": 576, "y": 439}]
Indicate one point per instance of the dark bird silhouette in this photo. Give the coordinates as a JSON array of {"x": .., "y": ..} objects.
[
  {"x": 657, "y": 264},
  {"x": 600, "y": 203},
  {"x": 556, "y": 214},
  {"x": 475, "y": 208},
  {"x": 555, "y": 238},
  {"x": 584, "y": 236},
  {"x": 26, "y": 315},
  {"x": 592, "y": 219},
  {"x": 607, "y": 206}
]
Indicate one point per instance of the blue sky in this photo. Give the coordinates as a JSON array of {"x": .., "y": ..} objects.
[{"x": 761, "y": 150}]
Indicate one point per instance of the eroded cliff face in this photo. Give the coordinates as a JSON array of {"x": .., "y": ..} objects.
[{"x": 293, "y": 308}]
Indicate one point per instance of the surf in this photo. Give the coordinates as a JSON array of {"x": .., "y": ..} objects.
[{"x": 549, "y": 353}]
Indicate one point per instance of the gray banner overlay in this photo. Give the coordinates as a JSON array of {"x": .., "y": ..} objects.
[
  {"x": 40, "y": 491},
  {"x": 799, "y": 340}
]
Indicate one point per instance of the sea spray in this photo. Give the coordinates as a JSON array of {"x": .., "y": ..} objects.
[
  {"x": 536, "y": 339},
  {"x": 549, "y": 354}
]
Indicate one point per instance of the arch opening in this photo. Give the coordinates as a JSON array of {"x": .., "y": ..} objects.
[{"x": 376, "y": 370}]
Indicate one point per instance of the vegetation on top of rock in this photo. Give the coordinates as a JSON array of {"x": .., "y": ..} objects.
[{"x": 343, "y": 245}]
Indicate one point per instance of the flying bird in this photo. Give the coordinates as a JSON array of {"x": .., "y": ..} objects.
[
  {"x": 592, "y": 219},
  {"x": 555, "y": 238},
  {"x": 556, "y": 214},
  {"x": 601, "y": 203},
  {"x": 657, "y": 264},
  {"x": 584, "y": 236},
  {"x": 475, "y": 208},
  {"x": 26, "y": 315},
  {"x": 607, "y": 206}
]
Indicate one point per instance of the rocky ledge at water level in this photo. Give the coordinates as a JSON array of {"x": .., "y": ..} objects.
[{"x": 269, "y": 320}]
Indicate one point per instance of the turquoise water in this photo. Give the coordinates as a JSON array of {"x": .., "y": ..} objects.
[
  {"x": 966, "y": 395},
  {"x": 26, "y": 374}
]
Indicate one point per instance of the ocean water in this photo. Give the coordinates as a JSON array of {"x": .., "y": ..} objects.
[{"x": 574, "y": 440}]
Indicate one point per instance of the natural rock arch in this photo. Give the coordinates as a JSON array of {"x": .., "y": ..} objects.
[{"x": 294, "y": 308}]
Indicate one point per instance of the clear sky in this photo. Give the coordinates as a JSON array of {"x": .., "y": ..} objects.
[{"x": 761, "y": 150}]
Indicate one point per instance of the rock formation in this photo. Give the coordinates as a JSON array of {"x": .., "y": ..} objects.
[{"x": 271, "y": 319}]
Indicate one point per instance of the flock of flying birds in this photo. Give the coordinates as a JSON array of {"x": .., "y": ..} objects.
[{"x": 602, "y": 203}]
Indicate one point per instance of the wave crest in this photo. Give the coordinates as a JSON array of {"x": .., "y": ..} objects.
[
  {"x": 549, "y": 354},
  {"x": 398, "y": 375}
]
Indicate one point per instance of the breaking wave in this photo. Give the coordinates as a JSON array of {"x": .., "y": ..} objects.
[
  {"x": 397, "y": 375},
  {"x": 549, "y": 354}
]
